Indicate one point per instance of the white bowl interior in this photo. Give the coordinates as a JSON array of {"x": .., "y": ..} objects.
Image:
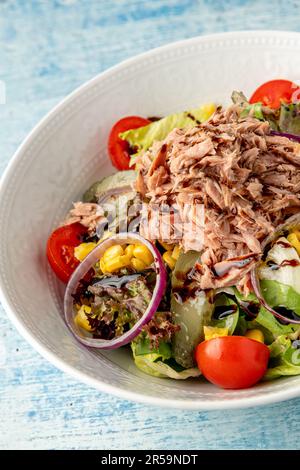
[{"x": 67, "y": 152}]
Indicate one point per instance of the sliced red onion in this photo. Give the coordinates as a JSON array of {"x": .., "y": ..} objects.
[
  {"x": 289, "y": 224},
  {"x": 294, "y": 137},
  {"x": 87, "y": 264}
]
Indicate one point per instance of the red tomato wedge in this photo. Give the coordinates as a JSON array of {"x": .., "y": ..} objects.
[
  {"x": 60, "y": 249},
  {"x": 232, "y": 361},
  {"x": 275, "y": 92},
  {"x": 118, "y": 149}
]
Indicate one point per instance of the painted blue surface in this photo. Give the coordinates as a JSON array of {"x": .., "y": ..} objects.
[{"x": 47, "y": 48}]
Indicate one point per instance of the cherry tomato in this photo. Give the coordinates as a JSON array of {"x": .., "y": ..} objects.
[
  {"x": 118, "y": 149},
  {"x": 232, "y": 361},
  {"x": 60, "y": 249},
  {"x": 274, "y": 92}
]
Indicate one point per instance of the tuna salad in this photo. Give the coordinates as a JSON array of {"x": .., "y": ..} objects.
[{"x": 189, "y": 255}]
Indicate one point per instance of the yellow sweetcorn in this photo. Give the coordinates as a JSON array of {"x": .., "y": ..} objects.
[
  {"x": 255, "y": 334},
  {"x": 207, "y": 110},
  {"x": 129, "y": 250},
  {"x": 112, "y": 252},
  {"x": 102, "y": 266},
  {"x": 82, "y": 250},
  {"x": 166, "y": 246},
  {"x": 167, "y": 257},
  {"x": 81, "y": 318},
  {"x": 294, "y": 241},
  {"x": 143, "y": 253},
  {"x": 176, "y": 252},
  {"x": 211, "y": 332},
  {"x": 115, "y": 263},
  {"x": 297, "y": 232},
  {"x": 138, "y": 264}
]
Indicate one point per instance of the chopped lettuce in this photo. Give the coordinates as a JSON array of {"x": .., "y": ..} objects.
[
  {"x": 280, "y": 295},
  {"x": 157, "y": 365},
  {"x": 284, "y": 119},
  {"x": 190, "y": 313},
  {"x": 272, "y": 328},
  {"x": 278, "y": 256},
  {"x": 284, "y": 359},
  {"x": 143, "y": 137},
  {"x": 229, "y": 321},
  {"x": 289, "y": 118},
  {"x": 143, "y": 347},
  {"x": 255, "y": 109}
]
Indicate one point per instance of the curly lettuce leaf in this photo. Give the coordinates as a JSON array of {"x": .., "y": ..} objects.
[{"x": 143, "y": 137}]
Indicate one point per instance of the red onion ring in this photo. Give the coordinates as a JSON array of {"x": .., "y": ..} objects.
[
  {"x": 289, "y": 224},
  {"x": 294, "y": 137},
  {"x": 83, "y": 268}
]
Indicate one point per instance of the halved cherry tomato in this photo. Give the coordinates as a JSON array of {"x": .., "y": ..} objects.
[
  {"x": 60, "y": 249},
  {"x": 275, "y": 92},
  {"x": 232, "y": 361},
  {"x": 118, "y": 149}
]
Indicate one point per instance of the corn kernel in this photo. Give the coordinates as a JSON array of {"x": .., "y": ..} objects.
[
  {"x": 143, "y": 253},
  {"x": 138, "y": 264},
  {"x": 82, "y": 250},
  {"x": 297, "y": 232},
  {"x": 102, "y": 265},
  {"x": 211, "y": 332},
  {"x": 167, "y": 257},
  {"x": 112, "y": 252},
  {"x": 176, "y": 252},
  {"x": 129, "y": 250},
  {"x": 166, "y": 246},
  {"x": 293, "y": 239},
  {"x": 255, "y": 334},
  {"x": 114, "y": 264},
  {"x": 81, "y": 318}
]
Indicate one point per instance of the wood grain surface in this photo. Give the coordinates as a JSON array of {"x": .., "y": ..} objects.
[{"x": 47, "y": 48}]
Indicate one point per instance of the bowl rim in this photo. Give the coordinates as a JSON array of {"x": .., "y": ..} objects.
[{"x": 189, "y": 404}]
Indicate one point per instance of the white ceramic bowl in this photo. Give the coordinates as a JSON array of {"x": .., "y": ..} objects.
[{"x": 67, "y": 151}]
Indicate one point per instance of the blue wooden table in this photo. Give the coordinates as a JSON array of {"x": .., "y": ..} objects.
[{"x": 47, "y": 48}]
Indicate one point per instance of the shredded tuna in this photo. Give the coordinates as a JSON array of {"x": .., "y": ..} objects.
[
  {"x": 246, "y": 180},
  {"x": 88, "y": 214}
]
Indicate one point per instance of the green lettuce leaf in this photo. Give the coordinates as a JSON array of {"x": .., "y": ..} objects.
[
  {"x": 269, "y": 322},
  {"x": 255, "y": 109},
  {"x": 143, "y": 347},
  {"x": 284, "y": 273},
  {"x": 143, "y": 137},
  {"x": 280, "y": 295},
  {"x": 265, "y": 321},
  {"x": 284, "y": 359},
  {"x": 231, "y": 320},
  {"x": 153, "y": 364}
]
